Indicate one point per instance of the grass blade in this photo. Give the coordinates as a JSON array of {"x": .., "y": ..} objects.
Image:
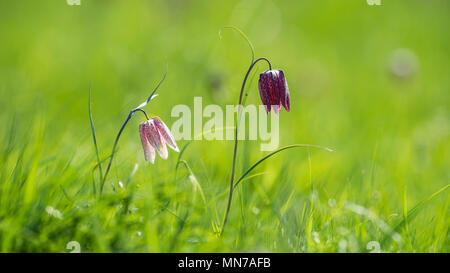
[
  {"x": 94, "y": 136},
  {"x": 194, "y": 180},
  {"x": 413, "y": 212},
  {"x": 275, "y": 152},
  {"x": 152, "y": 95},
  {"x": 226, "y": 191},
  {"x": 243, "y": 35}
]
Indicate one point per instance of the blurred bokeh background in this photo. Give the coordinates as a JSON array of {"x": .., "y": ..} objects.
[{"x": 371, "y": 82}]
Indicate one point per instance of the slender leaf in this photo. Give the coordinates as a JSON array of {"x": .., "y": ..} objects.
[
  {"x": 413, "y": 212},
  {"x": 243, "y": 35},
  {"x": 275, "y": 152},
  {"x": 153, "y": 95},
  {"x": 94, "y": 136}
]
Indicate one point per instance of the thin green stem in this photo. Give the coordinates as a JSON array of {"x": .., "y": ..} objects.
[
  {"x": 117, "y": 141},
  {"x": 137, "y": 109},
  {"x": 233, "y": 170},
  {"x": 94, "y": 138},
  {"x": 243, "y": 35}
]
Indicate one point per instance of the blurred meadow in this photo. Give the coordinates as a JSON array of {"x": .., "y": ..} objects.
[{"x": 370, "y": 82}]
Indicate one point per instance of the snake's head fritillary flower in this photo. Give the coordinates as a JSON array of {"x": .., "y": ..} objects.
[
  {"x": 154, "y": 136},
  {"x": 149, "y": 151},
  {"x": 274, "y": 90}
]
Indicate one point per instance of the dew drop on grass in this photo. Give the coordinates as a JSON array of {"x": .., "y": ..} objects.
[
  {"x": 316, "y": 238},
  {"x": 403, "y": 63},
  {"x": 342, "y": 246},
  {"x": 314, "y": 196},
  {"x": 54, "y": 212},
  {"x": 332, "y": 202},
  {"x": 255, "y": 210}
]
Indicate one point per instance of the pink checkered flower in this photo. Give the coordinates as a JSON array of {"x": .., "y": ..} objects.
[{"x": 154, "y": 136}]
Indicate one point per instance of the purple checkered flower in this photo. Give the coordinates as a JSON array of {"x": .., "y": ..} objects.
[{"x": 274, "y": 90}]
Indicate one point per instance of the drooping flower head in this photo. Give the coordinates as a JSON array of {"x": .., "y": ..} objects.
[
  {"x": 274, "y": 90},
  {"x": 154, "y": 136}
]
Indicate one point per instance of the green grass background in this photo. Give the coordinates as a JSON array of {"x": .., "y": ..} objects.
[{"x": 391, "y": 135}]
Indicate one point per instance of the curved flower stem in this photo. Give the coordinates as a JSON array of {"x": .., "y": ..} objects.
[
  {"x": 233, "y": 170},
  {"x": 115, "y": 144},
  {"x": 243, "y": 35}
]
